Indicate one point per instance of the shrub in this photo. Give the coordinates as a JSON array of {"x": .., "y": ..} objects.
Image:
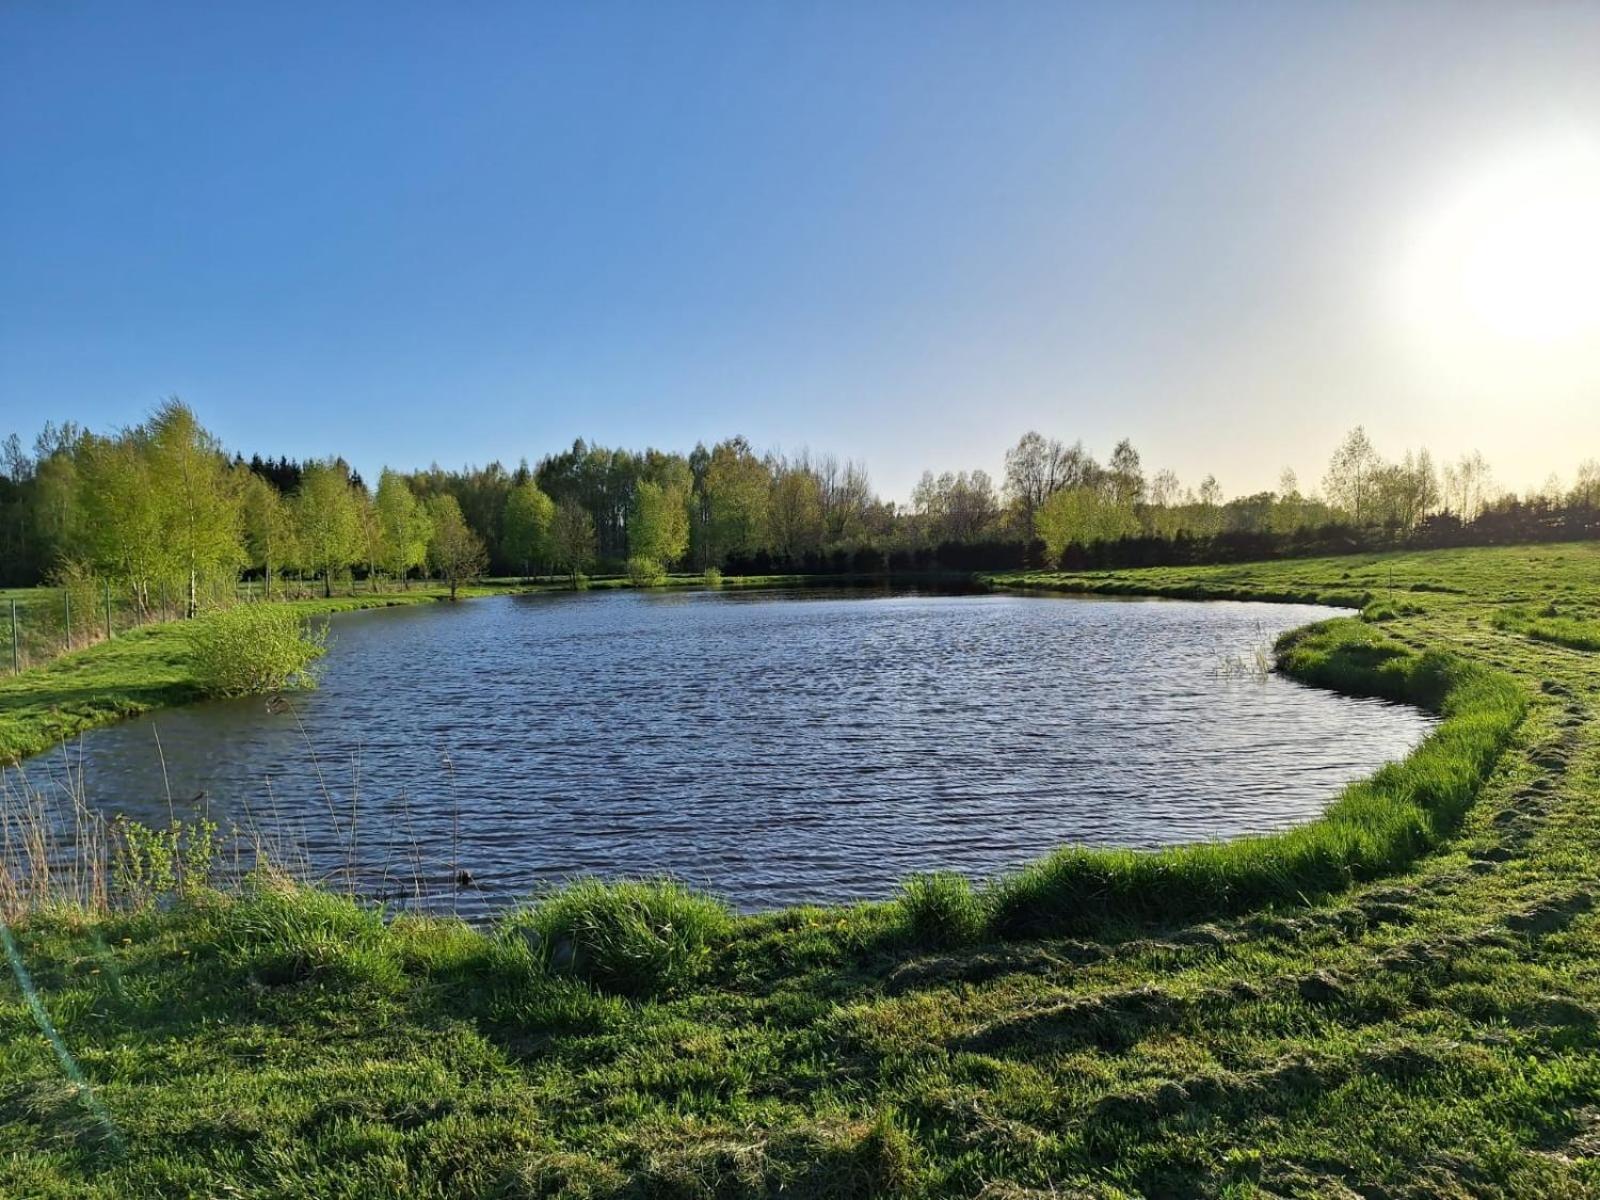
[
  {"x": 635, "y": 938},
  {"x": 941, "y": 909},
  {"x": 150, "y": 865},
  {"x": 713, "y": 577},
  {"x": 645, "y": 572},
  {"x": 255, "y": 648}
]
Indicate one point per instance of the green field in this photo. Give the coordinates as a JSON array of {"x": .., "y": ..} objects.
[{"x": 1400, "y": 999}]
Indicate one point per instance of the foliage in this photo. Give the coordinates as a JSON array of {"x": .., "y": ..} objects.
[
  {"x": 255, "y": 648},
  {"x": 659, "y": 528},
  {"x": 83, "y": 595},
  {"x": 572, "y": 540},
  {"x": 456, "y": 553},
  {"x": 327, "y": 523},
  {"x": 736, "y": 486},
  {"x": 269, "y": 528},
  {"x": 406, "y": 528},
  {"x": 198, "y": 497},
  {"x": 646, "y": 572},
  {"x": 1084, "y": 515},
  {"x": 159, "y": 509},
  {"x": 525, "y": 536},
  {"x": 150, "y": 865}
]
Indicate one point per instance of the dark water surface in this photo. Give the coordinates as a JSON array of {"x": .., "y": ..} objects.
[{"x": 774, "y": 747}]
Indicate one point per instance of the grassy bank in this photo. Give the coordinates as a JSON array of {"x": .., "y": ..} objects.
[{"x": 1399, "y": 999}]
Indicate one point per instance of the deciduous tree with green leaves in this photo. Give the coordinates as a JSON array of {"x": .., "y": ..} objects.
[
  {"x": 456, "y": 553},
  {"x": 736, "y": 485},
  {"x": 199, "y": 497},
  {"x": 404, "y": 525},
  {"x": 658, "y": 529},
  {"x": 268, "y": 526},
  {"x": 326, "y": 523},
  {"x": 525, "y": 527},
  {"x": 119, "y": 505},
  {"x": 572, "y": 539}
]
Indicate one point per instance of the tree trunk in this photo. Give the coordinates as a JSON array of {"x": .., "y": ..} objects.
[
  {"x": 193, "y": 603},
  {"x": 327, "y": 583}
]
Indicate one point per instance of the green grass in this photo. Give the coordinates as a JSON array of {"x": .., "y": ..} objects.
[
  {"x": 1575, "y": 626},
  {"x": 1401, "y": 999},
  {"x": 633, "y": 938}
]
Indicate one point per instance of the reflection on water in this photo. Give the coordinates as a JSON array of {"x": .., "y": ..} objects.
[{"x": 774, "y": 747}]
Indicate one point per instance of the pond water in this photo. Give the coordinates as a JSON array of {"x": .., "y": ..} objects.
[{"x": 774, "y": 747}]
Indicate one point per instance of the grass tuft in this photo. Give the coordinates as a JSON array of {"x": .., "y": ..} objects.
[
  {"x": 941, "y": 910},
  {"x": 634, "y": 938}
]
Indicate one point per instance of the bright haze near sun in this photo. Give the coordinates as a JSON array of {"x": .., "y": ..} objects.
[
  {"x": 1502, "y": 278},
  {"x": 903, "y": 233}
]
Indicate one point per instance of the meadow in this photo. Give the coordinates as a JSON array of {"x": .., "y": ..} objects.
[{"x": 1400, "y": 998}]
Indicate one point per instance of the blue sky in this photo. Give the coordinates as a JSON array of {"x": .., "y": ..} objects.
[{"x": 904, "y": 233}]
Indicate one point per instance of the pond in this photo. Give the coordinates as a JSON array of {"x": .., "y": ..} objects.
[{"x": 773, "y": 747}]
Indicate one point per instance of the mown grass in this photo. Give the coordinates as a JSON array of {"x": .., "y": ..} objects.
[
  {"x": 1576, "y": 627},
  {"x": 1406, "y": 1008}
]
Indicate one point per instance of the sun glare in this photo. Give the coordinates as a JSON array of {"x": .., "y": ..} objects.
[{"x": 1513, "y": 254}]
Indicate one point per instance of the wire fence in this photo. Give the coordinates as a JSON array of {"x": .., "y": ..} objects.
[{"x": 38, "y": 625}]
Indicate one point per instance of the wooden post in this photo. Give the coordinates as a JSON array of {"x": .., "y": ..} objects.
[{"x": 16, "y": 652}]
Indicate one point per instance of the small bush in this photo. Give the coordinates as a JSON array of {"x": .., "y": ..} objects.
[
  {"x": 941, "y": 910},
  {"x": 713, "y": 577},
  {"x": 255, "y": 648},
  {"x": 636, "y": 938},
  {"x": 645, "y": 572},
  {"x": 150, "y": 865}
]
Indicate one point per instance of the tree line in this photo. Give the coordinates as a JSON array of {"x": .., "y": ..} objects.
[{"x": 163, "y": 506}]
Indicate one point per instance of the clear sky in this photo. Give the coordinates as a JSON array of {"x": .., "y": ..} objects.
[{"x": 900, "y": 232}]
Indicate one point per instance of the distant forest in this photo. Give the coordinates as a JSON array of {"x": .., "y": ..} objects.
[{"x": 164, "y": 504}]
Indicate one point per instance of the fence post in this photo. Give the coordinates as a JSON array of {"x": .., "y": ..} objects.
[{"x": 16, "y": 652}]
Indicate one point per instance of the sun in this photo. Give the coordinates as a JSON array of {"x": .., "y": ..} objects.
[{"x": 1513, "y": 252}]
